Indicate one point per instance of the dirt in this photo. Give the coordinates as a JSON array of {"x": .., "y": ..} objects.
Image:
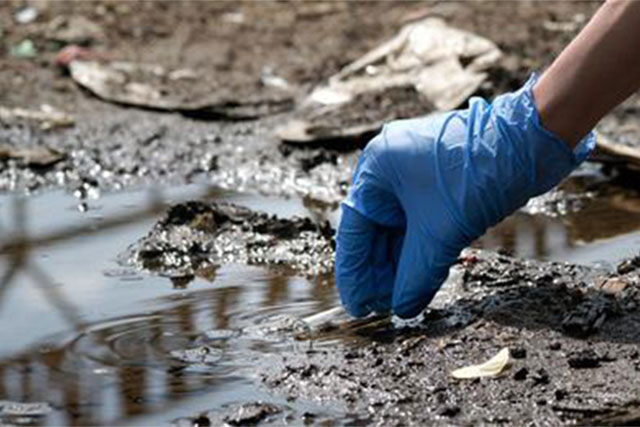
[
  {"x": 574, "y": 350},
  {"x": 194, "y": 239},
  {"x": 242, "y": 45},
  {"x": 237, "y": 415},
  {"x": 353, "y": 124},
  {"x": 572, "y": 331},
  {"x": 622, "y": 124}
]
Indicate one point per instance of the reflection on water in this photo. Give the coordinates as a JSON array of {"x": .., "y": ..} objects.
[
  {"x": 605, "y": 228},
  {"x": 102, "y": 343}
]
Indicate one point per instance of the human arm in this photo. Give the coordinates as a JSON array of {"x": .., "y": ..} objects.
[{"x": 598, "y": 70}]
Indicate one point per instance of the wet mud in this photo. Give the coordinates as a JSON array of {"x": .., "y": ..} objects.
[
  {"x": 572, "y": 332},
  {"x": 194, "y": 239},
  {"x": 245, "y": 279},
  {"x": 237, "y": 415}
]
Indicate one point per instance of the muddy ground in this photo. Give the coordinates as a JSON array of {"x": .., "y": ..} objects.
[{"x": 573, "y": 331}]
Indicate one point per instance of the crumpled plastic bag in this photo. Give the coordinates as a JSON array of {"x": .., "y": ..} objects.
[
  {"x": 443, "y": 63},
  {"x": 491, "y": 368},
  {"x": 184, "y": 90}
]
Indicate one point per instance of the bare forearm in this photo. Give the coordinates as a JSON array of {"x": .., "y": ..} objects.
[{"x": 597, "y": 71}]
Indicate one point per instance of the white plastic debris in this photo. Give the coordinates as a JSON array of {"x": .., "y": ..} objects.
[
  {"x": 152, "y": 86},
  {"x": 26, "y": 15},
  {"x": 443, "y": 63},
  {"x": 491, "y": 368},
  {"x": 48, "y": 117}
]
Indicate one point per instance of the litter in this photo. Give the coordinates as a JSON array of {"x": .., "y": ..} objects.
[
  {"x": 24, "y": 49},
  {"x": 441, "y": 62},
  {"x": 36, "y": 409},
  {"x": 429, "y": 66},
  {"x": 154, "y": 87},
  {"x": 33, "y": 156},
  {"x": 48, "y": 117},
  {"x": 491, "y": 368},
  {"x": 26, "y": 15},
  {"x": 628, "y": 154}
]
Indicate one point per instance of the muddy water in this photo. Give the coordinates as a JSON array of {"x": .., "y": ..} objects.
[{"x": 101, "y": 343}]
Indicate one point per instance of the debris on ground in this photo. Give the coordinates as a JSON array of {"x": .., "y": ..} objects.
[
  {"x": 183, "y": 90},
  {"x": 511, "y": 303},
  {"x": 491, "y": 368},
  {"x": 428, "y": 66},
  {"x": 619, "y": 151},
  {"x": 194, "y": 237},
  {"x": 356, "y": 121},
  {"x": 203, "y": 355},
  {"x": 443, "y": 63},
  {"x": 47, "y": 117},
  {"x": 25, "y": 49},
  {"x": 74, "y": 29},
  {"x": 250, "y": 413},
  {"x": 26, "y": 15},
  {"x": 32, "y": 410},
  {"x": 36, "y": 156},
  {"x": 585, "y": 359}
]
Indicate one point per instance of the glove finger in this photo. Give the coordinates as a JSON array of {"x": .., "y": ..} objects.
[
  {"x": 359, "y": 249},
  {"x": 388, "y": 242},
  {"x": 422, "y": 268}
]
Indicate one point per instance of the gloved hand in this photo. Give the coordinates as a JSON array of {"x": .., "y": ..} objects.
[{"x": 425, "y": 188}]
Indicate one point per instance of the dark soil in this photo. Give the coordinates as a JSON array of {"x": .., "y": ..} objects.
[
  {"x": 194, "y": 238},
  {"x": 573, "y": 342},
  {"x": 235, "y": 415}
]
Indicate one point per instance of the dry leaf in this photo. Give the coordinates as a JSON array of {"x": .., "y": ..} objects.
[{"x": 491, "y": 368}]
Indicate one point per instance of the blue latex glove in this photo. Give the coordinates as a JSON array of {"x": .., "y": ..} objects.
[{"x": 425, "y": 188}]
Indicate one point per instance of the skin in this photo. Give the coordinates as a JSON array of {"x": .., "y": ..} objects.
[{"x": 597, "y": 71}]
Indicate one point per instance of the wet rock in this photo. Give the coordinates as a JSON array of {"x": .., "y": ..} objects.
[
  {"x": 629, "y": 265},
  {"x": 250, "y": 413},
  {"x": 584, "y": 359},
  {"x": 518, "y": 353},
  {"x": 521, "y": 374},
  {"x": 203, "y": 355},
  {"x": 557, "y": 202},
  {"x": 201, "y": 421},
  {"x": 449, "y": 411},
  {"x": 541, "y": 377},
  {"x": 587, "y": 317},
  {"x": 22, "y": 413},
  {"x": 560, "y": 394},
  {"x": 194, "y": 236},
  {"x": 612, "y": 286}
]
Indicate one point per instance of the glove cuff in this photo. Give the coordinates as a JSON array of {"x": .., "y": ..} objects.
[
  {"x": 581, "y": 151},
  {"x": 545, "y": 157}
]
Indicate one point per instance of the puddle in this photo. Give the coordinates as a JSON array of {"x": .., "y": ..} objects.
[{"x": 104, "y": 344}]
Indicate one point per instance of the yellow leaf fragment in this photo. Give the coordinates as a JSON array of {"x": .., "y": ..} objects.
[{"x": 491, "y": 368}]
